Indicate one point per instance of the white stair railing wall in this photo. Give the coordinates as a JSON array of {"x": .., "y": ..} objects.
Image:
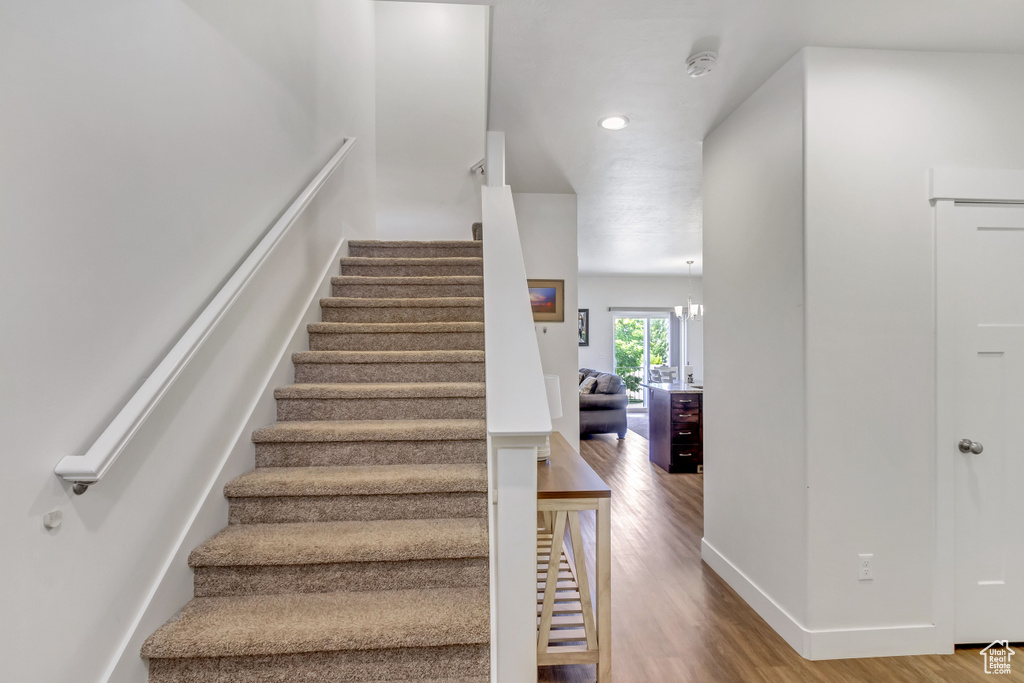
[{"x": 518, "y": 422}]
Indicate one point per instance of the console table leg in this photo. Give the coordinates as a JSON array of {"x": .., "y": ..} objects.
[
  {"x": 551, "y": 584},
  {"x": 604, "y": 590},
  {"x": 579, "y": 559}
]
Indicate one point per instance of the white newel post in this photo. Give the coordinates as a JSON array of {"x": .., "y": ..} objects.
[{"x": 515, "y": 524}]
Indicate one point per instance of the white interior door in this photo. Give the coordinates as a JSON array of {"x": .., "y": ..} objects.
[{"x": 981, "y": 401}]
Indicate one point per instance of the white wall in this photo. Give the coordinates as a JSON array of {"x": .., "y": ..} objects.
[
  {"x": 597, "y": 293},
  {"x": 431, "y": 118},
  {"x": 547, "y": 228},
  {"x": 754, "y": 480},
  {"x": 145, "y": 149},
  {"x": 876, "y": 123},
  {"x": 862, "y": 330}
]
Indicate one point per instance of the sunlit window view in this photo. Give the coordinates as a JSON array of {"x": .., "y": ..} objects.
[{"x": 639, "y": 344}]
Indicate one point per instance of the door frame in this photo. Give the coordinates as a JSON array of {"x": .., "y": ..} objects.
[{"x": 948, "y": 186}]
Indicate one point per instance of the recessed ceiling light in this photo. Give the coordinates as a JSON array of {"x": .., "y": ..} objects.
[{"x": 616, "y": 122}]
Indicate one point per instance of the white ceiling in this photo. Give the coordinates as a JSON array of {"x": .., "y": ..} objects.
[{"x": 557, "y": 66}]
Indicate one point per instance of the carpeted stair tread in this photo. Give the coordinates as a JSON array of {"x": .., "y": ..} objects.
[
  {"x": 404, "y": 244},
  {"x": 328, "y": 357},
  {"x": 316, "y": 622},
  {"x": 415, "y": 261},
  {"x": 359, "y": 480},
  {"x": 372, "y": 430},
  {"x": 468, "y": 679},
  {"x": 408, "y": 280},
  {"x": 389, "y": 284},
  {"x": 335, "y": 542},
  {"x": 374, "y": 248},
  {"x": 406, "y": 302},
  {"x": 395, "y": 328},
  {"x": 369, "y": 390},
  {"x": 452, "y": 664}
]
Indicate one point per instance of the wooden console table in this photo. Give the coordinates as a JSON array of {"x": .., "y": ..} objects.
[
  {"x": 569, "y": 629},
  {"x": 676, "y": 416}
]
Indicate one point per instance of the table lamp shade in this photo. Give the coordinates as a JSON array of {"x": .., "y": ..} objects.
[{"x": 554, "y": 396}]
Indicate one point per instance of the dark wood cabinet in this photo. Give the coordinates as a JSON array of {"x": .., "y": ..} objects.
[{"x": 676, "y": 420}]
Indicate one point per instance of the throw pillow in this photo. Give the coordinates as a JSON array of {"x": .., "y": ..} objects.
[
  {"x": 607, "y": 384},
  {"x": 587, "y": 386},
  {"x": 580, "y": 380}
]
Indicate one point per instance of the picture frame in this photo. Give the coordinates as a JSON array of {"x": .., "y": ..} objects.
[
  {"x": 584, "y": 326},
  {"x": 547, "y": 300}
]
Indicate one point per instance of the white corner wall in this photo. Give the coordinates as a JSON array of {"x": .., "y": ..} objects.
[
  {"x": 547, "y": 229},
  {"x": 841, "y": 326},
  {"x": 755, "y": 519},
  {"x": 599, "y": 292},
  {"x": 431, "y": 118},
  {"x": 146, "y": 149},
  {"x": 876, "y": 123}
]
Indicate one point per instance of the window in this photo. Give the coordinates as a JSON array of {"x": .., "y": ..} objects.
[{"x": 641, "y": 341}]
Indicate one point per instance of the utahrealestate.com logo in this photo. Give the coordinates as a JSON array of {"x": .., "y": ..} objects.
[{"x": 997, "y": 657}]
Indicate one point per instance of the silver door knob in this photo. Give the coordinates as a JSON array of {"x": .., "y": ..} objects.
[{"x": 968, "y": 446}]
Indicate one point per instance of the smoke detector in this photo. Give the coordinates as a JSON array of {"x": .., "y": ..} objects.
[{"x": 700, "y": 63}]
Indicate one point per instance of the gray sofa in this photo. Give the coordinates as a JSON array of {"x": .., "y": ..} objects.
[{"x": 603, "y": 410}]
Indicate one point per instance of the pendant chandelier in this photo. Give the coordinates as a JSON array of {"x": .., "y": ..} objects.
[{"x": 694, "y": 311}]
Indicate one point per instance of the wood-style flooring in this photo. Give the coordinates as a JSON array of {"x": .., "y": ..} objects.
[{"x": 674, "y": 620}]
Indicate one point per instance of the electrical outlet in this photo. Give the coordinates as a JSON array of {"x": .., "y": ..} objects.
[{"x": 865, "y": 567}]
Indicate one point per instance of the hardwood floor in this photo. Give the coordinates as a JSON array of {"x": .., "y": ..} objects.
[{"x": 674, "y": 620}]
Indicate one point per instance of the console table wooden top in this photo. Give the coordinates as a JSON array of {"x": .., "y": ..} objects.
[{"x": 567, "y": 475}]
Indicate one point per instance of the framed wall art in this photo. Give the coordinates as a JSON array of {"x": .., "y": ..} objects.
[
  {"x": 584, "y": 326},
  {"x": 547, "y": 299}
]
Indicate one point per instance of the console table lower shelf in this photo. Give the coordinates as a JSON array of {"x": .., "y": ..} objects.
[{"x": 569, "y": 628}]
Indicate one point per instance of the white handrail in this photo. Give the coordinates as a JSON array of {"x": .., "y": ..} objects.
[
  {"x": 516, "y": 403},
  {"x": 84, "y": 470}
]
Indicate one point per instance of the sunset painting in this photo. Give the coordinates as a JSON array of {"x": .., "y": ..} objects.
[
  {"x": 542, "y": 299},
  {"x": 547, "y": 300}
]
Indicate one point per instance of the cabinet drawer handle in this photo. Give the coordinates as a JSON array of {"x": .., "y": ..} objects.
[{"x": 684, "y": 433}]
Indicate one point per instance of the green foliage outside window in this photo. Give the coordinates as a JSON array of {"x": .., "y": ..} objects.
[{"x": 629, "y": 348}]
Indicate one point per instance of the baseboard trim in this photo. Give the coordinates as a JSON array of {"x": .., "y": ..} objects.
[
  {"x": 778, "y": 618},
  {"x": 853, "y": 643},
  {"x": 877, "y": 641}
]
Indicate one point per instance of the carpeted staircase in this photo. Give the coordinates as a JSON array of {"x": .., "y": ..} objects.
[{"x": 357, "y": 549}]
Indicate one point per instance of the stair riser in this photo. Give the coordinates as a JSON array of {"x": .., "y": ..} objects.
[
  {"x": 417, "y": 252},
  {"x": 326, "y": 373},
  {"x": 457, "y": 664},
  {"x": 381, "y": 408},
  {"x": 398, "y": 291},
  {"x": 259, "y": 510},
  {"x": 365, "y": 314},
  {"x": 335, "y": 453},
  {"x": 398, "y": 341},
  {"x": 401, "y": 270},
  {"x": 348, "y": 576}
]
